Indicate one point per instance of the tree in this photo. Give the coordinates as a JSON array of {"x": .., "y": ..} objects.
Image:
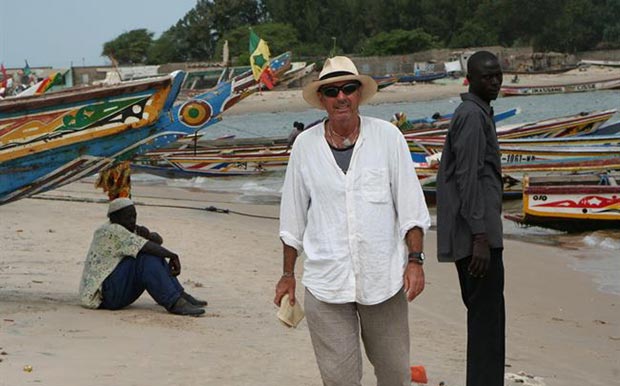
[
  {"x": 129, "y": 47},
  {"x": 610, "y": 20},
  {"x": 231, "y": 14},
  {"x": 399, "y": 42},
  {"x": 473, "y": 34}
]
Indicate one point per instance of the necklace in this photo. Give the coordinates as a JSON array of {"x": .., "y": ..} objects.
[{"x": 346, "y": 141}]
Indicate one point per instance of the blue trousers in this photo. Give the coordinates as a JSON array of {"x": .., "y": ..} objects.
[{"x": 132, "y": 276}]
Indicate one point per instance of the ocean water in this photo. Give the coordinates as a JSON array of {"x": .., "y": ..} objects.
[
  {"x": 533, "y": 108},
  {"x": 595, "y": 253}
]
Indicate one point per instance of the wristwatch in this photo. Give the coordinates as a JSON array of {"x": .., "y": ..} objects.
[{"x": 416, "y": 257}]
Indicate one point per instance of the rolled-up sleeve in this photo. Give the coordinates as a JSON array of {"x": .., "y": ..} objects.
[
  {"x": 294, "y": 204},
  {"x": 407, "y": 192}
]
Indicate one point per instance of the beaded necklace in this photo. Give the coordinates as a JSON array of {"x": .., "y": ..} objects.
[{"x": 346, "y": 141}]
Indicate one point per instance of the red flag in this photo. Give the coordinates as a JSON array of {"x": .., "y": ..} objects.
[
  {"x": 268, "y": 78},
  {"x": 4, "y": 75}
]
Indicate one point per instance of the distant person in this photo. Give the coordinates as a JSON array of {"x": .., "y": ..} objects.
[
  {"x": 469, "y": 224},
  {"x": 126, "y": 259},
  {"x": 298, "y": 127},
  {"x": 352, "y": 202}
]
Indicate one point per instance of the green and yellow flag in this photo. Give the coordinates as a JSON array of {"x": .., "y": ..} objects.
[{"x": 259, "y": 55}]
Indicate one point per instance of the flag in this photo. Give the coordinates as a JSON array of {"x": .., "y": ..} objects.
[
  {"x": 267, "y": 78},
  {"x": 259, "y": 55},
  {"x": 26, "y": 68},
  {"x": 52, "y": 80},
  {"x": 5, "y": 77}
]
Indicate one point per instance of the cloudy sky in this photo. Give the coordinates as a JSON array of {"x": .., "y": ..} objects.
[{"x": 60, "y": 33}]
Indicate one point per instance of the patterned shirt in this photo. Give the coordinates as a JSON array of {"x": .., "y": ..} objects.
[{"x": 111, "y": 243}]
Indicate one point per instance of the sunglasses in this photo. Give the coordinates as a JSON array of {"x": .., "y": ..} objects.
[{"x": 333, "y": 91}]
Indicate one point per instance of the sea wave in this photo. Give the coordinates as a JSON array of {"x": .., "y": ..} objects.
[{"x": 603, "y": 241}]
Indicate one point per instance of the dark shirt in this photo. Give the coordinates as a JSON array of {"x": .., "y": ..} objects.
[
  {"x": 469, "y": 181},
  {"x": 343, "y": 157}
]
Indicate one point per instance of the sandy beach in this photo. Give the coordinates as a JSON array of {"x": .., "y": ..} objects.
[{"x": 559, "y": 326}]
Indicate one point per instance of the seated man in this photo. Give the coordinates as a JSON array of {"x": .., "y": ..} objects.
[{"x": 125, "y": 259}]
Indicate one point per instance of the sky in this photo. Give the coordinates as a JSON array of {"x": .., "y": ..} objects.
[{"x": 61, "y": 33}]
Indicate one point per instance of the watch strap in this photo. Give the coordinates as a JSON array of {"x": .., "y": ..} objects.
[{"x": 416, "y": 257}]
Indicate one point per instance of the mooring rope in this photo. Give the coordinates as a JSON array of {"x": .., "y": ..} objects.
[{"x": 105, "y": 201}]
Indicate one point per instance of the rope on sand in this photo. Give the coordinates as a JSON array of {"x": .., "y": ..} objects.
[{"x": 104, "y": 201}]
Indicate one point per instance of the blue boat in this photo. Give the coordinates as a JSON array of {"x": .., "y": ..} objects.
[
  {"x": 422, "y": 77},
  {"x": 50, "y": 140},
  {"x": 438, "y": 118}
]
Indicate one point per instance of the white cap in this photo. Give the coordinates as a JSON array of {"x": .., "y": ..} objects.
[{"x": 118, "y": 204}]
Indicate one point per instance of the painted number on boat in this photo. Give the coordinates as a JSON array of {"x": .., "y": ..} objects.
[
  {"x": 539, "y": 197},
  {"x": 517, "y": 158}
]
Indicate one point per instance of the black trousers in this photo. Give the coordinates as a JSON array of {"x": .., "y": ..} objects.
[{"x": 486, "y": 321}]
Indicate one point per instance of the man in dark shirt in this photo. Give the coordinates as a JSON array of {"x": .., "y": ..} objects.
[{"x": 469, "y": 225}]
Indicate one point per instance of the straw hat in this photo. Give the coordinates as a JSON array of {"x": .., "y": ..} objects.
[
  {"x": 119, "y": 204},
  {"x": 338, "y": 69}
]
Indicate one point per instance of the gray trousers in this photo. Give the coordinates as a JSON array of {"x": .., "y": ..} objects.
[{"x": 335, "y": 332}]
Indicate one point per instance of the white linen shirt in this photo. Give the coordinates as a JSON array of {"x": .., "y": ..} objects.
[
  {"x": 111, "y": 244},
  {"x": 352, "y": 226}
]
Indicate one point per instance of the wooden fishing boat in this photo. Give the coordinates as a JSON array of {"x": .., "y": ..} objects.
[
  {"x": 514, "y": 173},
  {"x": 570, "y": 125},
  {"x": 604, "y": 63},
  {"x": 53, "y": 139},
  {"x": 518, "y": 150},
  {"x": 604, "y": 84},
  {"x": 575, "y": 204},
  {"x": 207, "y": 163},
  {"x": 385, "y": 81},
  {"x": 430, "y": 141},
  {"x": 557, "y": 70},
  {"x": 438, "y": 120},
  {"x": 422, "y": 77},
  {"x": 609, "y": 129},
  {"x": 295, "y": 73}
]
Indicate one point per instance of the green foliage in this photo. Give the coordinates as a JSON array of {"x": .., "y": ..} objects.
[
  {"x": 129, "y": 47},
  {"x": 611, "y": 22},
  {"x": 316, "y": 28},
  {"x": 473, "y": 34},
  {"x": 398, "y": 42}
]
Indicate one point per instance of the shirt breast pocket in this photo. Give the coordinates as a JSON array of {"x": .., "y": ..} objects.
[{"x": 375, "y": 185}]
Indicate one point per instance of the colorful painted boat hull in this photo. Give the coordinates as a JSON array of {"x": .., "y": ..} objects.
[
  {"x": 51, "y": 140},
  {"x": 422, "y": 145},
  {"x": 571, "y": 204},
  {"x": 513, "y": 174},
  {"x": 606, "y": 84}
]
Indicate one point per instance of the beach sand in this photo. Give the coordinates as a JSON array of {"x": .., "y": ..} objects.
[{"x": 559, "y": 326}]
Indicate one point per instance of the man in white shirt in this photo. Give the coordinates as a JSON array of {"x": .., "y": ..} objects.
[{"x": 352, "y": 201}]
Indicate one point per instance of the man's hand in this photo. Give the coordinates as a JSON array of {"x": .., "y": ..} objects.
[
  {"x": 286, "y": 285},
  {"x": 156, "y": 238},
  {"x": 175, "y": 265},
  {"x": 481, "y": 256},
  {"x": 143, "y": 231},
  {"x": 414, "y": 280}
]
